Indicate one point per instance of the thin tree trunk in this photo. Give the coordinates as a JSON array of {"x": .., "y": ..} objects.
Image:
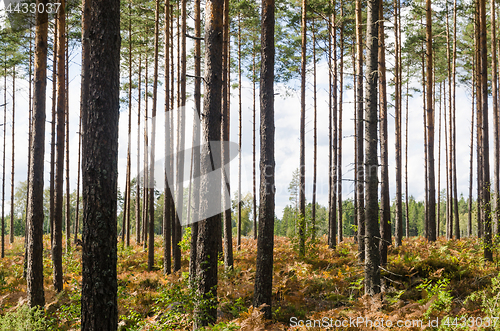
[
  {"x": 494, "y": 88},
  {"x": 339, "y": 143},
  {"x": 145, "y": 202},
  {"x": 59, "y": 173},
  {"x": 151, "y": 209},
  {"x": 53, "y": 134},
  {"x": 35, "y": 216},
  {"x": 181, "y": 136},
  {"x": 398, "y": 230},
  {"x": 3, "y": 162},
  {"x": 406, "y": 158},
  {"x": 167, "y": 193},
  {"x": 11, "y": 239},
  {"x": 239, "y": 133},
  {"x": 138, "y": 218},
  {"x": 30, "y": 130},
  {"x": 359, "y": 135},
  {"x": 371, "y": 241},
  {"x": 265, "y": 241},
  {"x": 471, "y": 160},
  {"x": 315, "y": 139},
  {"x": 479, "y": 126},
  {"x": 385, "y": 202},
  {"x": 488, "y": 250},
  {"x": 66, "y": 110},
  {"x": 196, "y": 142},
  {"x": 254, "y": 78},
  {"x": 430, "y": 127},
  {"x": 129, "y": 136},
  {"x": 302, "y": 189},
  {"x": 439, "y": 163}
]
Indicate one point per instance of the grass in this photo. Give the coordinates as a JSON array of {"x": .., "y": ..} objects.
[{"x": 422, "y": 280}]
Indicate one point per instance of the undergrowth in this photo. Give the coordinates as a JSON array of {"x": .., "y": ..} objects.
[{"x": 445, "y": 280}]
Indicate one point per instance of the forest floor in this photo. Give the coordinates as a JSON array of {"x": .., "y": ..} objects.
[{"x": 445, "y": 285}]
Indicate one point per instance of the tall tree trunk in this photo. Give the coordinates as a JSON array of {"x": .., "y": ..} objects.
[
  {"x": 129, "y": 136},
  {"x": 449, "y": 206},
  {"x": 53, "y": 132},
  {"x": 210, "y": 189},
  {"x": 167, "y": 193},
  {"x": 84, "y": 92},
  {"x": 338, "y": 167},
  {"x": 385, "y": 202},
  {"x": 333, "y": 130},
  {"x": 77, "y": 209},
  {"x": 265, "y": 240},
  {"x": 430, "y": 127},
  {"x": 35, "y": 216},
  {"x": 315, "y": 139},
  {"x": 151, "y": 209},
  {"x": 100, "y": 171},
  {"x": 66, "y": 110},
  {"x": 302, "y": 189},
  {"x": 494, "y": 88},
  {"x": 4, "y": 139},
  {"x": 239, "y": 133},
  {"x": 359, "y": 135},
  {"x": 59, "y": 173},
  {"x": 479, "y": 126},
  {"x": 488, "y": 251},
  {"x": 196, "y": 141},
  {"x": 30, "y": 132},
  {"x": 471, "y": 160},
  {"x": 145, "y": 203},
  {"x": 181, "y": 136},
  {"x": 438, "y": 220},
  {"x": 398, "y": 230},
  {"x": 254, "y": 78},
  {"x": 406, "y": 159},
  {"x": 138, "y": 218},
  {"x": 11, "y": 239},
  {"x": 372, "y": 235}
]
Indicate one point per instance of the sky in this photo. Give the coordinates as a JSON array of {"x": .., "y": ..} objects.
[{"x": 287, "y": 124}]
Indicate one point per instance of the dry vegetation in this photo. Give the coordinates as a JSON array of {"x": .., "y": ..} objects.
[{"x": 422, "y": 281}]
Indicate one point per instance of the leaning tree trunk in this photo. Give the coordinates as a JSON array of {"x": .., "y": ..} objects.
[
  {"x": 210, "y": 187},
  {"x": 265, "y": 241},
  {"x": 372, "y": 235},
  {"x": 100, "y": 171}
]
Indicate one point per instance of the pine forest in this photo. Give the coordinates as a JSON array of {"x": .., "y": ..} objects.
[{"x": 249, "y": 165}]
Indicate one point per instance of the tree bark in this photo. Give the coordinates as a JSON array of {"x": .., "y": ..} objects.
[
  {"x": 430, "y": 127},
  {"x": 302, "y": 189},
  {"x": 167, "y": 193},
  {"x": 100, "y": 170},
  {"x": 210, "y": 186},
  {"x": 371, "y": 241},
  {"x": 151, "y": 209},
  {"x": 488, "y": 249},
  {"x": 398, "y": 230},
  {"x": 385, "y": 202},
  {"x": 339, "y": 143},
  {"x": 11, "y": 237},
  {"x": 59, "y": 172},
  {"x": 360, "y": 179},
  {"x": 35, "y": 216},
  {"x": 494, "y": 88},
  {"x": 265, "y": 240}
]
